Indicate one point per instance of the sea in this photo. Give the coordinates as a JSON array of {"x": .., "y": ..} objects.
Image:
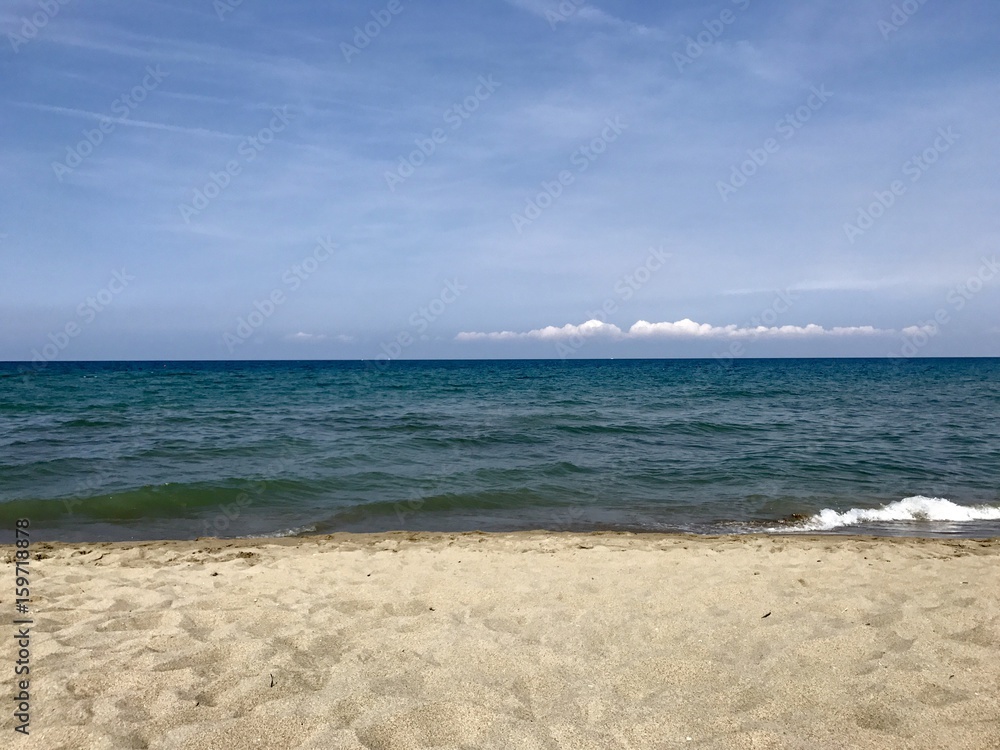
[{"x": 179, "y": 450}]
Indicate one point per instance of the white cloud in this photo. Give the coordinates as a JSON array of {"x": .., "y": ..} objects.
[
  {"x": 929, "y": 330},
  {"x": 549, "y": 333},
  {"x": 680, "y": 329}
]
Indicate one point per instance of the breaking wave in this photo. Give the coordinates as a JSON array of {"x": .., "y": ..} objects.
[{"x": 917, "y": 508}]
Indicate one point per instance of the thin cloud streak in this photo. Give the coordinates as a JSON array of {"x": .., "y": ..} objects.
[
  {"x": 577, "y": 11},
  {"x": 97, "y": 116}
]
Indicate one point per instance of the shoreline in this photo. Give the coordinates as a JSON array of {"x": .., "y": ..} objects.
[
  {"x": 610, "y": 535},
  {"x": 521, "y": 639}
]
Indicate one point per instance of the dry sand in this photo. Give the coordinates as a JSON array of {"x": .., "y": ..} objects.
[{"x": 513, "y": 641}]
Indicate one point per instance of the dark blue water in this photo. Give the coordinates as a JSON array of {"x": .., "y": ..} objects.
[{"x": 186, "y": 449}]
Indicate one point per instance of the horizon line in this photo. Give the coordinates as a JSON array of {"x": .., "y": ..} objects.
[{"x": 889, "y": 358}]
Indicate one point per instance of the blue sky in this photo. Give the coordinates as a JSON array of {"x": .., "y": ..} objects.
[{"x": 481, "y": 178}]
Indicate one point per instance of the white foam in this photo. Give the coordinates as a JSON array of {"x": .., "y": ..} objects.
[
  {"x": 917, "y": 508},
  {"x": 294, "y": 532},
  {"x": 281, "y": 533}
]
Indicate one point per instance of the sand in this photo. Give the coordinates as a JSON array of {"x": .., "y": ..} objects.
[{"x": 512, "y": 641}]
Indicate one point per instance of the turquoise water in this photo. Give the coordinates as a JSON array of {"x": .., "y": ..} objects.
[{"x": 185, "y": 449}]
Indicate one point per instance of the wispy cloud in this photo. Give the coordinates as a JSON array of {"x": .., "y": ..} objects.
[
  {"x": 570, "y": 11},
  {"x": 306, "y": 338},
  {"x": 315, "y": 338},
  {"x": 128, "y": 121},
  {"x": 831, "y": 285}
]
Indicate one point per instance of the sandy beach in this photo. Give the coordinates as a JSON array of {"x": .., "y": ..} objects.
[{"x": 529, "y": 640}]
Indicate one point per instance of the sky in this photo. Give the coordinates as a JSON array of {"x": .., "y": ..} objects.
[{"x": 498, "y": 178}]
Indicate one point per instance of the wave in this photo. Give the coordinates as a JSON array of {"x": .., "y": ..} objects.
[
  {"x": 164, "y": 501},
  {"x": 280, "y": 534},
  {"x": 918, "y": 508}
]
